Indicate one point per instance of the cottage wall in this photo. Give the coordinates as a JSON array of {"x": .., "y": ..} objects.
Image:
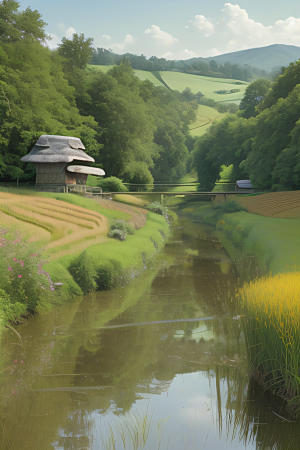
[{"x": 53, "y": 173}]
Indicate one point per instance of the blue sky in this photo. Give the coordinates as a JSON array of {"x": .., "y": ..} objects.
[{"x": 174, "y": 29}]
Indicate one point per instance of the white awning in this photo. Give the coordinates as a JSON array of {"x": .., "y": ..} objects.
[
  {"x": 244, "y": 184},
  {"x": 87, "y": 170}
]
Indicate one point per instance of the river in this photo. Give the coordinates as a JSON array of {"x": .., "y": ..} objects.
[{"x": 158, "y": 364}]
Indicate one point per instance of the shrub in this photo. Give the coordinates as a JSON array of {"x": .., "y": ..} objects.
[
  {"x": 157, "y": 208},
  {"x": 123, "y": 226},
  {"x": 118, "y": 234},
  {"x": 112, "y": 184},
  {"x": 22, "y": 275},
  {"x": 9, "y": 311},
  {"x": 83, "y": 272}
]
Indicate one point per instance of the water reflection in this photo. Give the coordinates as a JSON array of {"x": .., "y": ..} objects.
[{"x": 83, "y": 380}]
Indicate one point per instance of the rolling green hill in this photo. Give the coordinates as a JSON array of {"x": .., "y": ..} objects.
[
  {"x": 179, "y": 81},
  {"x": 141, "y": 74},
  {"x": 265, "y": 58},
  {"x": 207, "y": 85}
]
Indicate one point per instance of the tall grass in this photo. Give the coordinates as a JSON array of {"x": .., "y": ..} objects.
[{"x": 272, "y": 329}]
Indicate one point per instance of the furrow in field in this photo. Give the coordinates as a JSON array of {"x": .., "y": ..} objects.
[{"x": 274, "y": 204}]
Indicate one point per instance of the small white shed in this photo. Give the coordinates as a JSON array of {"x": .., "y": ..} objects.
[{"x": 244, "y": 186}]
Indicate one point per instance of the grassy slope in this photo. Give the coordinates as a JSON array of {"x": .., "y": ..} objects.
[
  {"x": 116, "y": 256},
  {"x": 206, "y": 85},
  {"x": 205, "y": 117},
  {"x": 141, "y": 74},
  {"x": 275, "y": 242}
]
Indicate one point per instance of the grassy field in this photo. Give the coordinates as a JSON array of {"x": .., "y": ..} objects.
[
  {"x": 205, "y": 117},
  {"x": 179, "y": 81},
  {"x": 207, "y": 85},
  {"x": 141, "y": 74}
]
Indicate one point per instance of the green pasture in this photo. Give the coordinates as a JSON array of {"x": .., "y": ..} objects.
[
  {"x": 205, "y": 117},
  {"x": 141, "y": 74},
  {"x": 207, "y": 85}
]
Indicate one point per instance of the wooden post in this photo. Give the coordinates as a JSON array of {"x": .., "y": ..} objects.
[
  {"x": 64, "y": 189},
  {"x": 84, "y": 190},
  {"x": 67, "y": 189}
]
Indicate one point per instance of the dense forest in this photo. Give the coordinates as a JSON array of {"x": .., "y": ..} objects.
[
  {"x": 101, "y": 56},
  {"x": 260, "y": 141},
  {"x": 134, "y": 130}
]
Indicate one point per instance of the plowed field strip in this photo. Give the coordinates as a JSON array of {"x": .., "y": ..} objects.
[
  {"x": 68, "y": 213},
  {"x": 58, "y": 204},
  {"x": 64, "y": 217},
  {"x": 285, "y": 204}
]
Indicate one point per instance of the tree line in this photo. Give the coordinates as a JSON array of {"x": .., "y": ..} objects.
[
  {"x": 134, "y": 130},
  {"x": 195, "y": 66},
  {"x": 261, "y": 141}
]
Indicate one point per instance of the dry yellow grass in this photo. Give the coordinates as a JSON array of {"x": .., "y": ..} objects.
[
  {"x": 68, "y": 226},
  {"x": 274, "y": 204}
]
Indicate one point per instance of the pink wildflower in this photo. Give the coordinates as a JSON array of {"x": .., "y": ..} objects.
[
  {"x": 15, "y": 259},
  {"x": 22, "y": 362},
  {"x": 22, "y": 263},
  {"x": 19, "y": 276},
  {"x": 15, "y": 361},
  {"x": 9, "y": 268}
]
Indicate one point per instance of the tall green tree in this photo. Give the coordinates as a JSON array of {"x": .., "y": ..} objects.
[
  {"x": 255, "y": 93},
  {"x": 78, "y": 50}
]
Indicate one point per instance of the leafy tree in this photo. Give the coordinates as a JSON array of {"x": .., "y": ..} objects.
[
  {"x": 35, "y": 99},
  {"x": 254, "y": 94},
  {"x": 77, "y": 50},
  {"x": 16, "y": 25}
]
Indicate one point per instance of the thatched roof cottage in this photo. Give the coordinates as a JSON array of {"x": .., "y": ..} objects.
[{"x": 56, "y": 159}]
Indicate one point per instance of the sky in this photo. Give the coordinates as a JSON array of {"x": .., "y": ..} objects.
[{"x": 173, "y": 29}]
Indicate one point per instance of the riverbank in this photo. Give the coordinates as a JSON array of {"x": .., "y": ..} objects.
[
  {"x": 77, "y": 254},
  {"x": 266, "y": 249}
]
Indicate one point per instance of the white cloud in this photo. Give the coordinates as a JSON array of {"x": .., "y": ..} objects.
[
  {"x": 204, "y": 25},
  {"x": 121, "y": 47},
  {"x": 105, "y": 36},
  {"x": 243, "y": 32},
  {"x": 70, "y": 31},
  {"x": 213, "y": 52},
  {"x": 161, "y": 37},
  {"x": 54, "y": 41},
  {"x": 186, "y": 54}
]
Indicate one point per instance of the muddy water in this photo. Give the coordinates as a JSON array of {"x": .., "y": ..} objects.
[{"x": 158, "y": 364}]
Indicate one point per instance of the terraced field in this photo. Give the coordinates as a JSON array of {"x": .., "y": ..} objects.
[
  {"x": 57, "y": 224},
  {"x": 274, "y": 204}
]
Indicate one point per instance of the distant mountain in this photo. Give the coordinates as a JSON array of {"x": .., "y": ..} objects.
[{"x": 265, "y": 58}]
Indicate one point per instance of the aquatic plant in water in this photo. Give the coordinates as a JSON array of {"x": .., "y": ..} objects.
[{"x": 272, "y": 330}]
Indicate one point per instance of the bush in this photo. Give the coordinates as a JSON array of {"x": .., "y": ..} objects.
[
  {"x": 123, "y": 226},
  {"x": 118, "y": 234},
  {"x": 23, "y": 278},
  {"x": 9, "y": 311},
  {"x": 112, "y": 184},
  {"x": 83, "y": 272},
  {"x": 157, "y": 208}
]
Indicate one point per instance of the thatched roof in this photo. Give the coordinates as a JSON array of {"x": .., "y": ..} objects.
[
  {"x": 55, "y": 149},
  {"x": 87, "y": 170}
]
